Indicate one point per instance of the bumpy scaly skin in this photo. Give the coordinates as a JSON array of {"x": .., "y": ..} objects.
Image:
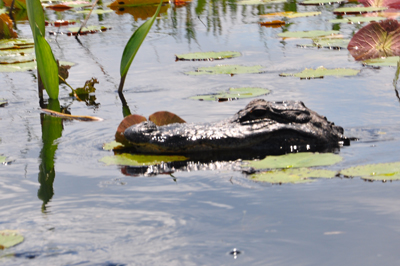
[{"x": 261, "y": 125}]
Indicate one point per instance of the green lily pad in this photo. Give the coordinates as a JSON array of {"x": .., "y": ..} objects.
[
  {"x": 290, "y": 14},
  {"x": 259, "y": 2},
  {"x": 386, "y": 61},
  {"x": 321, "y": 72},
  {"x": 307, "y": 34},
  {"x": 207, "y": 56},
  {"x": 226, "y": 69},
  {"x": 380, "y": 171},
  {"x": 232, "y": 94},
  {"x": 16, "y": 44},
  {"x": 321, "y": 2},
  {"x": 3, "y": 159},
  {"x": 300, "y": 175},
  {"x": 86, "y": 30},
  {"x": 140, "y": 160},
  {"x": 295, "y": 160},
  {"x": 356, "y": 20},
  {"x": 16, "y": 58},
  {"x": 358, "y": 10},
  {"x": 331, "y": 42},
  {"x": 113, "y": 145},
  {"x": 3, "y": 102},
  {"x": 95, "y": 11},
  {"x": 9, "y": 238}
]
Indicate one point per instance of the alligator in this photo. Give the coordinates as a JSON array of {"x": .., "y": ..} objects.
[{"x": 261, "y": 127}]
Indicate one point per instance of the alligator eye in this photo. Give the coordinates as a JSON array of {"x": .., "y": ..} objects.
[{"x": 258, "y": 113}]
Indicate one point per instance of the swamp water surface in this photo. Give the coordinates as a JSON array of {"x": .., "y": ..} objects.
[{"x": 83, "y": 212}]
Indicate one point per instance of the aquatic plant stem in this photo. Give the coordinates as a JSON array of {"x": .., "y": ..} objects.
[
  {"x": 86, "y": 19},
  {"x": 121, "y": 84}
]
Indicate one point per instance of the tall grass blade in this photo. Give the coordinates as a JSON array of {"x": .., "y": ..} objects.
[
  {"x": 46, "y": 63},
  {"x": 133, "y": 46}
]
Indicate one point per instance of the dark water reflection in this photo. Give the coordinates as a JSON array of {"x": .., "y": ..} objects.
[{"x": 95, "y": 215}]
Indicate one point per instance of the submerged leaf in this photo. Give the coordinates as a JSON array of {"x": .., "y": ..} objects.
[
  {"x": 9, "y": 238},
  {"x": 377, "y": 39},
  {"x": 140, "y": 160},
  {"x": 300, "y": 175},
  {"x": 381, "y": 171},
  {"x": 207, "y": 56},
  {"x": 356, "y": 20},
  {"x": 307, "y": 34},
  {"x": 321, "y": 72},
  {"x": 232, "y": 94},
  {"x": 321, "y": 2},
  {"x": 295, "y": 160},
  {"x": 386, "y": 61},
  {"x": 226, "y": 69},
  {"x": 290, "y": 14},
  {"x": 259, "y": 2},
  {"x": 357, "y": 10},
  {"x": 165, "y": 118}
]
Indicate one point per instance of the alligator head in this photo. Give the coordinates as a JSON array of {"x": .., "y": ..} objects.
[{"x": 271, "y": 127}]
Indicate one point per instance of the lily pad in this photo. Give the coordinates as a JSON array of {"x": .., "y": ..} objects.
[
  {"x": 3, "y": 102},
  {"x": 386, "y": 61},
  {"x": 300, "y": 175},
  {"x": 320, "y": 2},
  {"x": 322, "y": 72},
  {"x": 9, "y": 238},
  {"x": 118, "y": 3},
  {"x": 163, "y": 118},
  {"x": 95, "y": 11},
  {"x": 307, "y": 34},
  {"x": 113, "y": 145},
  {"x": 227, "y": 69},
  {"x": 3, "y": 159},
  {"x": 377, "y": 39},
  {"x": 232, "y": 94},
  {"x": 207, "y": 56},
  {"x": 335, "y": 43},
  {"x": 295, "y": 160},
  {"x": 273, "y": 23},
  {"x": 290, "y": 14},
  {"x": 357, "y": 10},
  {"x": 86, "y": 30},
  {"x": 356, "y": 20},
  {"x": 259, "y": 2},
  {"x": 128, "y": 159},
  {"x": 16, "y": 44},
  {"x": 381, "y": 171}
]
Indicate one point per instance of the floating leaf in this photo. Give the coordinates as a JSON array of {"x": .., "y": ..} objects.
[
  {"x": 87, "y": 30},
  {"x": 356, "y": 20},
  {"x": 290, "y": 14},
  {"x": 331, "y": 42},
  {"x": 113, "y": 145},
  {"x": 207, "y": 56},
  {"x": 118, "y": 3},
  {"x": 3, "y": 102},
  {"x": 96, "y": 11},
  {"x": 16, "y": 58},
  {"x": 387, "y": 61},
  {"x": 165, "y": 118},
  {"x": 320, "y": 72},
  {"x": 226, "y": 69},
  {"x": 140, "y": 160},
  {"x": 377, "y": 39},
  {"x": 59, "y": 23},
  {"x": 273, "y": 24},
  {"x": 68, "y": 5},
  {"x": 307, "y": 34},
  {"x": 300, "y": 175},
  {"x": 259, "y": 2},
  {"x": 321, "y": 2},
  {"x": 381, "y": 171},
  {"x": 128, "y": 121},
  {"x": 357, "y": 10},
  {"x": 3, "y": 159},
  {"x": 393, "y": 4},
  {"x": 295, "y": 160},
  {"x": 232, "y": 94},
  {"x": 19, "y": 44},
  {"x": 9, "y": 238}
]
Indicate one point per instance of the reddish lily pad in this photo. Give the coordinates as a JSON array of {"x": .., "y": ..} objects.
[
  {"x": 164, "y": 118},
  {"x": 377, "y": 39},
  {"x": 125, "y": 123}
]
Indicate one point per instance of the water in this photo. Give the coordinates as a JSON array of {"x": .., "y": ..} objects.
[{"x": 83, "y": 212}]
